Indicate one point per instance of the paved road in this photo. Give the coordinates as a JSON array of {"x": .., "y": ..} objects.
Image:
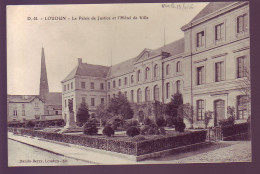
[
  {"x": 20, "y": 154},
  {"x": 220, "y": 152}
]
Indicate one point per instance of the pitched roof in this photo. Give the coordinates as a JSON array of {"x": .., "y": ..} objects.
[
  {"x": 21, "y": 98},
  {"x": 85, "y": 69},
  {"x": 53, "y": 98},
  {"x": 210, "y": 8},
  {"x": 173, "y": 48}
]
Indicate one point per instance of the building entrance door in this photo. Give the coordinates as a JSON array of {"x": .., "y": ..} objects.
[{"x": 219, "y": 111}]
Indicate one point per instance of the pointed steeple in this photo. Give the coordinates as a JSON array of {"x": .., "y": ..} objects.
[{"x": 44, "y": 87}]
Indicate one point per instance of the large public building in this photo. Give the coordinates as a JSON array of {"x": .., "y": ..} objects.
[{"x": 210, "y": 66}]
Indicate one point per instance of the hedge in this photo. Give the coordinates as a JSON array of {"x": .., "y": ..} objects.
[
  {"x": 115, "y": 145},
  {"x": 235, "y": 129}
]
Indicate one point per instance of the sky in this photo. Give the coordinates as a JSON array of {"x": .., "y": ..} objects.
[{"x": 103, "y": 42}]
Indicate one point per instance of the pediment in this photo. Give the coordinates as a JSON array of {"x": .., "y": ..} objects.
[{"x": 146, "y": 54}]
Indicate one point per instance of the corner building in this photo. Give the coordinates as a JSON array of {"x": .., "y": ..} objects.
[{"x": 209, "y": 66}]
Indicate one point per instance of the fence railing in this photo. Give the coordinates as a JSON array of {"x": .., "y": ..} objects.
[{"x": 214, "y": 134}]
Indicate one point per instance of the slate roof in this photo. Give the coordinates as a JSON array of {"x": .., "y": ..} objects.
[
  {"x": 54, "y": 98},
  {"x": 85, "y": 69},
  {"x": 210, "y": 8},
  {"x": 21, "y": 98}
]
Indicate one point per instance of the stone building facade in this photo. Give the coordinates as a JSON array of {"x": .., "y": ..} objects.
[{"x": 208, "y": 66}]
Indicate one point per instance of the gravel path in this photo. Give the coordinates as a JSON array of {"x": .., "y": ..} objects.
[{"x": 223, "y": 151}]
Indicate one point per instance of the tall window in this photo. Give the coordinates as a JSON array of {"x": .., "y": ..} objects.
[
  {"x": 57, "y": 112},
  {"x": 178, "y": 66},
  {"x": 102, "y": 86},
  {"x": 138, "y": 75},
  {"x": 125, "y": 80},
  {"x": 64, "y": 87},
  {"x": 200, "y": 39},
  {"x": 114, "y": 84},
  {"x": 132, "y": 95},
  {"x": 71, "y": 85},
  {"x": 132, "y": 79},
  {"x": 92, "y": 85},
  {"x": 139, "y": 95},
  {"x": 241, "y": 23},
  {"x": 119, "y": 82},
  {"x": 83, "y": 85},
  {"x": 92, "y": 101},
  {"x": 167, "y": 69},
  {"x": 23, "y": 112},
  {"x": 156, "y": 92},
  {"x": 108, "y": 98},
  {"x": 65, "y": 103},
  {"x": 68, "y": 86},
  {"x": 147, "y": 94},
  {"x": 200, "y": 75},
  {"x": 108, "y": 84},
  {"x": 242, "y": 102},
  {"x": 15, "y": 112},
  {"x": 102, "y": 101},
  {"x": 167, "y": 90},
  {"x": 178, "y": 86},
  {"x": 219, "y": 32},
  {"x": 156, "y": 70},
  {"x": 200, "y": 109},
  {"x": 219, "y": 71},
  {"x": 83, "y": 99},
  {"x": 241, "y": 67},
  {"x": 147, "y": 73}
]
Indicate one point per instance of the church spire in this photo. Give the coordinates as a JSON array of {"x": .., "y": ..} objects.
[{"x": 44, "y": 87}]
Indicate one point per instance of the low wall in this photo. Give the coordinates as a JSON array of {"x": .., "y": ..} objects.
[{"x": 125, "y": 147}]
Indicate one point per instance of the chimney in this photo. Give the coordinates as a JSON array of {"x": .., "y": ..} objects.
[{"x": 80, "y": 61}]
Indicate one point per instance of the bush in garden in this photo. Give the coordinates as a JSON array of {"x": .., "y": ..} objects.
[
  {"x": 227, "y": 122},
  {"x": 130, "y": 123},
  {"x": 180, "y": 126},
  {"x": 108, "y": 131},
  {"x": 90, "y": 128},
  {"x": 132, "y": 131},
  {"x": 144, "y": 129},
  {"x": 103, "y": 122},
  {"x": 160, "y": 122},
  {"x": 29, "y": 124},
  {"x": 115, "y": 124},
  {"x": 138, "y": 138},
  {"x": 162, "y": 131},
  {"x": 169, "y": 122},
  {"x": 147, "y": 121}
]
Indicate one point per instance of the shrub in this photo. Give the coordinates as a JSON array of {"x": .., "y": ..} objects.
[
  {"x": 132, "y": 131},
  {"x": 147, "y": 121},
  {"x": 103, "y": 122},
  {"x": 108, "y": 131},
  {"x": 138, "y": 138},
  {"x": 130, "y": 123},
  {"x": 169, "y": 122},
  {"x": 115, "y": 124},
  {"x": 180, "y": 126},
  {"x": 162, "y": 131},
  {"x": 227, "y": 122},
  {"x": 29, "y": 124},
  {"x": 144, "y": 129},
  {"x": 90, "y": 128},
  {"x": 160, "y": 122}
]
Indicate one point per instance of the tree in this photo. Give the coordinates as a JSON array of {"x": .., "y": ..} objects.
[
  {"x": 186, "y": 111},
  {"x": 172, "y": 107},
  {"x": 102, "y": 114},
  {"x": 82, "y": 114},
  {"x": 119, "y": 105}
]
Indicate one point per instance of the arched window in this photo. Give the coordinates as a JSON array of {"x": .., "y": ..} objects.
[
  {"x": 138, "y": 75},
  {"x": 147, "y": 94},
  {"x": 167, "y": 69},
  {"x": 156, "y": 70},
  {"x": 156, "y": 92},
  {"x": 139, "y": 95},
  {"x": 178, "y": 66},
  {"x": 178, "y": 86},
  {"x": 147, "y": 73},
  {"x": 167, "y": 90},
  {"x": 132, "y": 79},
  {"x": 200, "y": 110}
]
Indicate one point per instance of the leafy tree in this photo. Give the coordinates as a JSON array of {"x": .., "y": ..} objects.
[
  {"x": 90, "y": 128},
  {"x": 102, "y": 114},
  {"x": 172, "y": 107},
  {"x": 186, "y": 111},
  {"x": 82, "y": 114},
  {"x": 119, "y": 105}
]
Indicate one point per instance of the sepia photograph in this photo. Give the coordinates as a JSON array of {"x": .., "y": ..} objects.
[{"x": 128, "y": 83}]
